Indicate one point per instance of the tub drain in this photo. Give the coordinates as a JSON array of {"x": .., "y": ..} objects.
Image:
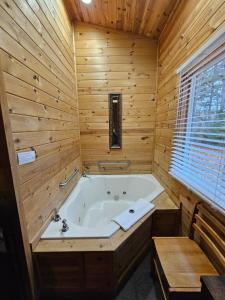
[{"x": 131, "y": 211}]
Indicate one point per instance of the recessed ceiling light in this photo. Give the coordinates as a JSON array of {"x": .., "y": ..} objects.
[{"x": 86, "y": 1}]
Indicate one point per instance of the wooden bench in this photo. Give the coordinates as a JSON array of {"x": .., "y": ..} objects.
[{"x": 178, "y": 262}]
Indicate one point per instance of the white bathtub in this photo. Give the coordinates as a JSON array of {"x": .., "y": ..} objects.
[{"x": 96, "y": 200}]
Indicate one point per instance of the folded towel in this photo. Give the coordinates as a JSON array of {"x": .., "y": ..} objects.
[{"x": 134, "y": 213}]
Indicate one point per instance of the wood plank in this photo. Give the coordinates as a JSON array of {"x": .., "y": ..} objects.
[
  {"x": 19, "y": 17},
  {"x": 181, "y": 268},
  {"x": 37, "y": 59},
  {"x": 14, "y": 49},
  {"x": 210, "y": 244},
  {"x": 31, "y": 46},
  {"x": 42, "y": 23},
  {"x": 115, "y": 67},
  {"x": 18, "y": 105},
  {"x": 117, "y": 62},
  {"x": 146, "y": 17}
]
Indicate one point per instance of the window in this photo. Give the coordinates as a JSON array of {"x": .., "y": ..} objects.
[
  {"x": 115, "y": 121},
  {"x": 198, "y": 154}
]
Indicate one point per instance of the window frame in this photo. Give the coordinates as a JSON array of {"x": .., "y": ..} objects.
[{"x": 213, "y": 44}]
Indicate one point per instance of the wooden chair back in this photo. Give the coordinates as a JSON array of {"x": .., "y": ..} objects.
[{"x": 208, "y": 229}]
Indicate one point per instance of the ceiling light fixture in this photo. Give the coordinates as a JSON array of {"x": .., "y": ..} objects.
[{"x": 86, "y": 1}]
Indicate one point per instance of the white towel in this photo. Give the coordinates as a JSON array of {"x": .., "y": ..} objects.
[{"x": 134, "y": 213}]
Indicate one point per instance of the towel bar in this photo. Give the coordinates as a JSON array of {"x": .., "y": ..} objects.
[
  {"x": 105, "y": 164},
  {"x": 63, "y": 184}
]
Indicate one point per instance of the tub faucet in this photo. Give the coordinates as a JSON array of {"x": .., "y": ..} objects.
[
  {"x": 85, "y": 175},
  {"x": 56, "y": 217},
  {"x": 65, "y": 226}
]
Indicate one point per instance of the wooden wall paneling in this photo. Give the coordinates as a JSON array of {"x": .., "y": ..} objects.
[
  {"x": 76, "y": 87},
  {"x": 190, "y": 26},
  {"x": 37, "y": 58},
  {"x": 48, "y": 45},
  {"x": 12, "y": 215},
  {"x": 116, "y": 62},
  {"x": 45, "y": 61},
  {"x": 46, "y": 27}
]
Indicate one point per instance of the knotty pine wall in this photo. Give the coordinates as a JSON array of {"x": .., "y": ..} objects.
[
  {"x": 191, "y": 25},
  {"x": 38, "y": 69},
  {"x": 110, "y": 61}
]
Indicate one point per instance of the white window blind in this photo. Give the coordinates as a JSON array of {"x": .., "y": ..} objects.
[{"x": 198, "y": 153}]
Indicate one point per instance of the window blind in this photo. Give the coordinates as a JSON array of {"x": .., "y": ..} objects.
[{"x": 198, "y": 152}]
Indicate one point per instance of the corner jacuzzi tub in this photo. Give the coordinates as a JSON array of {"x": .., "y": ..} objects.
[{"x": 96, "y": 199}]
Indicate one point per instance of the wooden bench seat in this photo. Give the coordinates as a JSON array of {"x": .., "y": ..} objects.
[
  {"x": 179, "y": 262},
  {"x": 183, "y": 262}
]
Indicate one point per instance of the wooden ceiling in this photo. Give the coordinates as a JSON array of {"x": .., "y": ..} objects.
[{"x": 145, "y": 17}]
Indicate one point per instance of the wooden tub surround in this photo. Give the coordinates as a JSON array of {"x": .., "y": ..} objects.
[
  {"x": 180, "y": 261},
  {"x": 55, "y": 77},
  {"x": 100, "y": 266}
]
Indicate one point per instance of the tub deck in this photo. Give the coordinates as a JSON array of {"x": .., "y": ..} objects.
[{"x": 162, "y": 203}]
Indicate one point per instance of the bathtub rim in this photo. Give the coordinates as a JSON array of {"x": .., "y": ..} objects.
[{"x": 162, "y": 203}]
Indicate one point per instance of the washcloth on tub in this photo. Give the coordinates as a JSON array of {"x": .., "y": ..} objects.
[{"x": 134, "y": 213}]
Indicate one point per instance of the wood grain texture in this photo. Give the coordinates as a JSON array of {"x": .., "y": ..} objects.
[
  {"x": 181, "y": 261},
  {"x": 181, "y": 268},
  {"x": 210, "y": 235},
  {"x": 191, "y": 25},
  {"x": 116, "y": 62},
  {"x": 145, "y": 17},
  {"x": 37, "y": 60},
  {"x": 68, "y": 274}
]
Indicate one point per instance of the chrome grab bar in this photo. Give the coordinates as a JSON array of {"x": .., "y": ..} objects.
[
  {"x": 104, "y": 164},
  {"x": 63, "y": 184}
]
